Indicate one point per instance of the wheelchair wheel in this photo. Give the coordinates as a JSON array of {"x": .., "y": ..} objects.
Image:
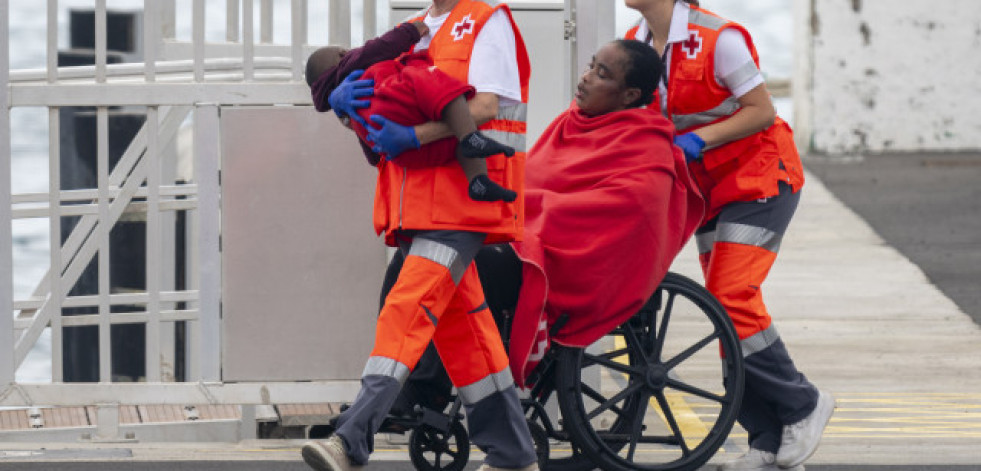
[
  {"x": 567, "y": 456},
  {"x": 576, "y": 461},
  {"x": 433, "y": 450},
  {"x": 651, "y": 394},
  {"x": 540, "y": 438}
]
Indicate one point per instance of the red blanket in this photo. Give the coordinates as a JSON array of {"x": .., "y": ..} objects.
[{"x": 608, "y": 205}]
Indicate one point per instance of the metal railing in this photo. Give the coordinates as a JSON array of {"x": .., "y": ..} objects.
[{"x": 177, "y": 81}]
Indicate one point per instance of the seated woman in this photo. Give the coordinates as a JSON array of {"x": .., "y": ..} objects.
[{"x": 608, "y": 205}]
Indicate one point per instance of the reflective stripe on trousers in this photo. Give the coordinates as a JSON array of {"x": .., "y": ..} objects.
[
  {"x": 438, "y": 296},
  {"x": 737, "y": 249}
]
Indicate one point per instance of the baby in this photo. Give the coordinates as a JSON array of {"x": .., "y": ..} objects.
[{"x": 410, "y": 90}]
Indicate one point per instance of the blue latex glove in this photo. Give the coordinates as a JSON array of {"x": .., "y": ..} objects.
[
  {"x": 345, "y": 100},
  {"x": 691, "y": 144},
  {"x": 391, "y": 138}
]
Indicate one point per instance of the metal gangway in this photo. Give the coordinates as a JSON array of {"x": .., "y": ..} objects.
[{"x": 225, "y": 95}]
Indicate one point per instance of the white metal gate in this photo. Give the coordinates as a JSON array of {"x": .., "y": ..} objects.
[{"x": 178, "y": 81}]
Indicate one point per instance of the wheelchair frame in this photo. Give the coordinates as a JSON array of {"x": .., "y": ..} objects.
[{"x": 611, "y": 428}]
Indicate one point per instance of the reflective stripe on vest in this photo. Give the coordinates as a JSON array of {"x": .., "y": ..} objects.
[
  {"x": 490, "y": 384},
  {"x": 509, "y": 126},
  {"x": 698, "y": 18},
  {"x": 728, "y": 108},
  {"x": 384, "y": 366}
]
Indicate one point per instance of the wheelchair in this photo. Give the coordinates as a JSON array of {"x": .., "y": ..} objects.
[{"x": 659, "y": 392}]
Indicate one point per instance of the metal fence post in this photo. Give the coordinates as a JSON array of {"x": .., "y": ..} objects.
[
  {"x": 206, "y": 158},
  {"x": 168, "y": 17},
  {"x": 370, "y": 20},
  {"x": 7, "y": 368},
  {"x": 340, "y": 22}
]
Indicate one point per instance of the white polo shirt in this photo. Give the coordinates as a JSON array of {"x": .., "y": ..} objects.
[{"x": 494, "y": 61}]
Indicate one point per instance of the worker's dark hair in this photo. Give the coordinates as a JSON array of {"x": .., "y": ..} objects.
[{"x": 644, "y": 70}]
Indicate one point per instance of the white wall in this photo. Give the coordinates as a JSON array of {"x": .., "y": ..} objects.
[{"x": 890, "y": 75}]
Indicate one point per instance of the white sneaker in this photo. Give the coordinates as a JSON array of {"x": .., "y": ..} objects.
[
  {"x": 487, "y": 467},
  {"x": 328, "y": 455},
  {"x": 800, "y": 440},
  {"x": 756, "y": 460}
]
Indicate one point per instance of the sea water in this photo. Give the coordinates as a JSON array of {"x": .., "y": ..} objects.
[{"x": 769, "y": 21}]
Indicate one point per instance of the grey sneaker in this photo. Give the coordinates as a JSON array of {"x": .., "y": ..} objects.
[
  {"x": 800, "y": 440},
  {"x": 487, "y": 467},
  {"x": 756, "y": 460},
  {"x": 328, "y": 455}
]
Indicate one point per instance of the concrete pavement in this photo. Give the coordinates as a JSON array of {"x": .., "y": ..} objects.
[
  {"x": 928, "y": 206},
  {"x": 860, "y": 320}
]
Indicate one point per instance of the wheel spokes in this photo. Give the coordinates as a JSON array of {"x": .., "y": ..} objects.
[
  {"x": 663, "y": 329},
  {"x": 605, "y": 358},
  {"x": 672, "y": 422},
  {"x": 610, "y": 404},
  {"x": 637, "y": 426},
  {"x": 684, "y": 387},
  {"x": 661, "y": 402},
  {"x": 688, "y": 352},
  {"x": 612, "y": 364},
  {"x": 631, "y": 338}
]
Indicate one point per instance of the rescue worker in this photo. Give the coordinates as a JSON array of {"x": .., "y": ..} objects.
[
  {"x": 427, "y": 213},
  {"x": 744, "y": 160}
]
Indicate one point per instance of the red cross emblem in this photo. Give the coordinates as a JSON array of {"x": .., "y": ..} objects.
[
  {"x": 462, "y": 28},
  {"x": 693, "y": 45}
]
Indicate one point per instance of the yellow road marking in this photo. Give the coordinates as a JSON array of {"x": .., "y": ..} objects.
[{"x": 905, "y": 415}]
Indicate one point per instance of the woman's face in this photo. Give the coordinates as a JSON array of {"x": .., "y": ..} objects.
[{"x": 601, "y": 88}]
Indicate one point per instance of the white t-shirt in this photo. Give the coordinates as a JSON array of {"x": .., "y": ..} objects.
[
  {"x": 734, "y": 65},
  {"x": 494, "y": 61}
]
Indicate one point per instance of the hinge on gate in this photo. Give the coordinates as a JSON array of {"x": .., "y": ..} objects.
[{"x": 570, "y": 29}]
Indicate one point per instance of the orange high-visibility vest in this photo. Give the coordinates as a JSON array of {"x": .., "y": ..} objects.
[
  {"x": 742, "y": 170},
  {"x": 435, "y": 198}
]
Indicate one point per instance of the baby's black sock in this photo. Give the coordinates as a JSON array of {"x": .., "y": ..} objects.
[
  {"x": 482, "y": 188},
  {"x": 477, "y": 145}
]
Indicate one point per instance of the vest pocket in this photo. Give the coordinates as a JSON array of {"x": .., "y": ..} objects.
[
  {"x": 690, "y": 70},
  {"x": 452, "y": 204},
  {"x": 453, "y": 59}
]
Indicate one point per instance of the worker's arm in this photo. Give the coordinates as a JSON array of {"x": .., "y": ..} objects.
[
  {"x": 756, "y": 113},
  {"x": 483, "y": 108}
]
